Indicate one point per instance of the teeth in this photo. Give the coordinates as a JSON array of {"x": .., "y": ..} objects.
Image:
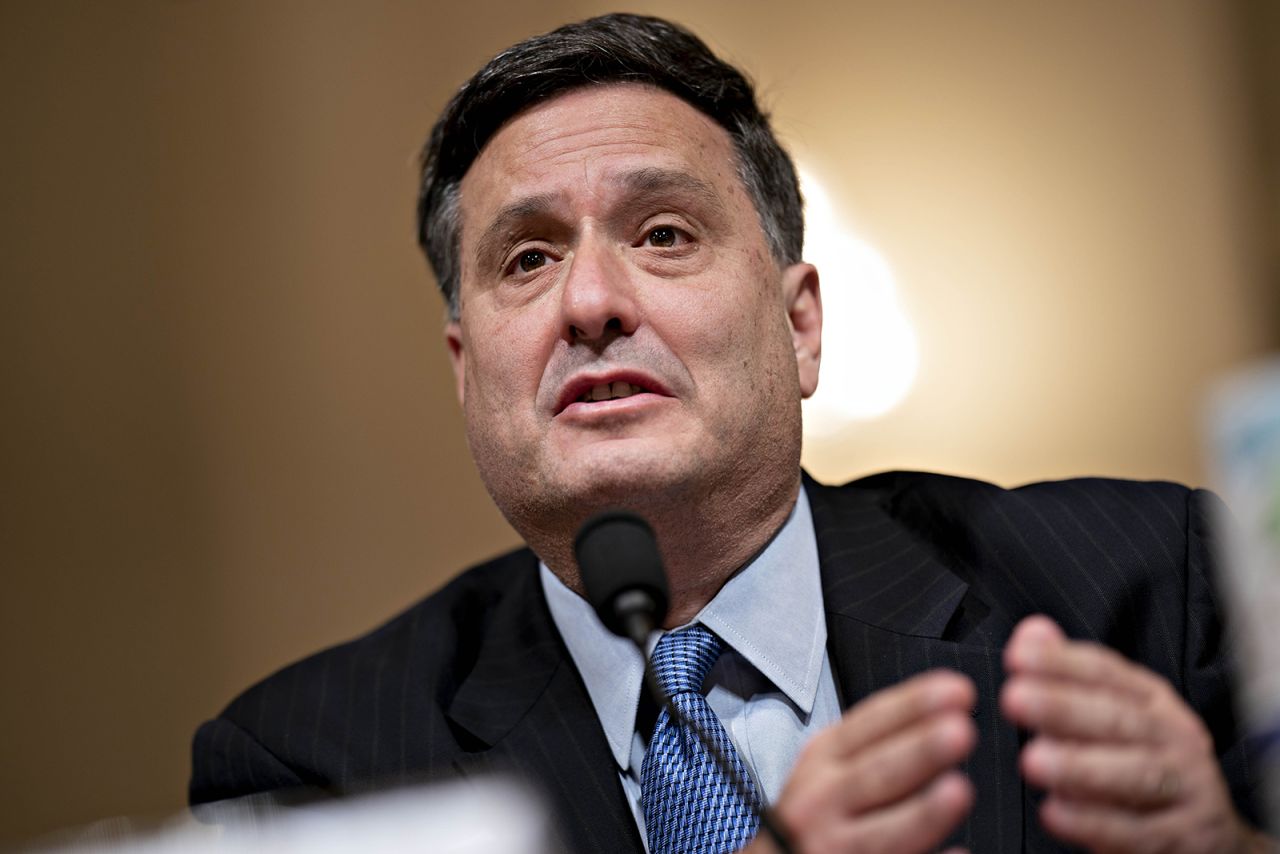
[{"x": 610, "y": 391}]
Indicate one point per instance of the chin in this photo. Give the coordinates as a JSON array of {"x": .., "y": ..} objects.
[{"x": 627, "y": 476}]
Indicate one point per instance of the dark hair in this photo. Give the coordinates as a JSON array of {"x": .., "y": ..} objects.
[{"x": 615, "y": 48}]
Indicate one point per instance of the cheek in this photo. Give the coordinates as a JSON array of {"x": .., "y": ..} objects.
[
  {"x": 505, "y": 360},
  {"x": 728, "y": 325}
]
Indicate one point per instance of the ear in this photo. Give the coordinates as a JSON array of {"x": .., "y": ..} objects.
[
  {"x": 804, "y": 313},
  {"x": 457, "y": 356}
]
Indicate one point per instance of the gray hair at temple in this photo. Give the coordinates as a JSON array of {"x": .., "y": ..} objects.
[{"x": 615, "y": 48}]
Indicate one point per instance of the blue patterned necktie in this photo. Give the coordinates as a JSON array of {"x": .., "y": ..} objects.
[{"x": 690, "y": 807}]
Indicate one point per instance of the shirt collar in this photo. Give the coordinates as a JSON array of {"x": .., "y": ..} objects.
[
  {"x": 610, "y": 666},
  {"x": 770, "y": 613}
]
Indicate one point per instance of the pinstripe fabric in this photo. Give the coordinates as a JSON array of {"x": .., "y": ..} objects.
[
  {"x": 918, "y": 571},
  {"x": 924, "y": 570}
]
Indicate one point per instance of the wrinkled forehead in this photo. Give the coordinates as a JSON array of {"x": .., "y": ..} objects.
[{"x": 593, "y": 139}]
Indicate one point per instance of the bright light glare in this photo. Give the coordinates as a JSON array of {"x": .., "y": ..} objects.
[{"x": 869, "y": 355}]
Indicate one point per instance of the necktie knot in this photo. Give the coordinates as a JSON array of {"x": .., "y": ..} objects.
[{"x": 682, "y": 659}]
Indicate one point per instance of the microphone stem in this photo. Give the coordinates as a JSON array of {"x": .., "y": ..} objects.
[{"x": 767, "y": 823}]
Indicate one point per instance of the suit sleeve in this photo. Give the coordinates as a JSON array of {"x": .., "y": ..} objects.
[
  {"x": 228, "y": 762},
  {"x": 1209, "y": 667}
]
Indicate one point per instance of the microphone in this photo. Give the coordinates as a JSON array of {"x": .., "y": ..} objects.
[{"x": 622, "y": 574}]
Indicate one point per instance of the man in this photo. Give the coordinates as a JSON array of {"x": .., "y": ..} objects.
[{"x": 618, "y": 236}]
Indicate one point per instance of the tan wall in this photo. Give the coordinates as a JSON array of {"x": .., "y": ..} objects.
[{"x": 228, "y": 433}]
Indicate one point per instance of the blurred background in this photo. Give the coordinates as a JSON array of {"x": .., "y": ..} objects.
[{"x": 228, "y": 433}]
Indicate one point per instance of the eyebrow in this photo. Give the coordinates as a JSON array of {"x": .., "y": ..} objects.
[
  {"x": 530, "y": 207},
  {"x": 655, "y": 181},
  {"x": 639, "y": 185}
]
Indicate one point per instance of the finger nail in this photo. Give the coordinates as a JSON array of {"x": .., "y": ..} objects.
[
  {"x": 1020, "y": 697},
  {"x": 944, "y": 690},
  {"x": 1042, "y": 759},
  {"x": 1029, "y": 653}
]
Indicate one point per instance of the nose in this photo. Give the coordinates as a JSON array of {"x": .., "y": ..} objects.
[{"x": 598, "y": 300}]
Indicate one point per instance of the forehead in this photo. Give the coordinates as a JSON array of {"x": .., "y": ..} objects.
[{"x": 587, "y": 138}]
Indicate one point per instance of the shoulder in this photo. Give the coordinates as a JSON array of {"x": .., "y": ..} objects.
[
  {"x": 1125, "y": 562},
  {"x": 338, "y": 718},
  {"x": 1130, "y": 564},
  {"x": 1091, "y": 511},
  {"x": 444, "y": 626},
  {"x": 898, "y": 487}
]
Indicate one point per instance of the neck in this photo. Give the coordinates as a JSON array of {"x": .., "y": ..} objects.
[{"x": 704, "y": 539}]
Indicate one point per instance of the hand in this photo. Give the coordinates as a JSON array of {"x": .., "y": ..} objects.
[
  {"x": 882, "y": 778},
  {"x": 1127, "y": 766}
]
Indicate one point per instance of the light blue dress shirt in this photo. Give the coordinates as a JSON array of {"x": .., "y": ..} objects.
[{"x": 772, "y": 687}]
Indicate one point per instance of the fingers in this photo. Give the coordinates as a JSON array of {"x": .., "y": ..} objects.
[
  {"x": 892, "y": 709},
  {"x": 1126, "y": 776},
  {"x": 891, "y": 744},
  {"x": 903, "y": 762},
  {"x": 881, "y": 778},
  {"x": 1083, "y": 691},
  {"x": 1125, "y": 763},
  {"x": 1102, "y": 827},
  {"x": 1194, "y": 827},
  {"x": 917, "y": 823},
  {"x": 1038, "y": 647},
  {"x": 1072, "y": 710}
]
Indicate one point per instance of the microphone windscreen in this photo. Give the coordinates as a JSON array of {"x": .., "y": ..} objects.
[{"x": 618, "y": 555}]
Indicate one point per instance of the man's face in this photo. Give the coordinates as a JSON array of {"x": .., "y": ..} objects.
[{"x": 624, "y": 331}]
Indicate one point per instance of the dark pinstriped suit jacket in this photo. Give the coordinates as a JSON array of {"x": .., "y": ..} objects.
[{"x": 918, "y": 571}]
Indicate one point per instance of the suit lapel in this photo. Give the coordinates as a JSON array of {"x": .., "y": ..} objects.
[
  {"x": 876, "y": 570},
  {"x": 530, "y": 714},
  {"x": 890, "y": 598}
]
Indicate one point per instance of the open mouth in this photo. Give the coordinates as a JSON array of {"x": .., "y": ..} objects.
[
  {"x": 618, "y": 385},
  {"x": 610, "y": 391}
]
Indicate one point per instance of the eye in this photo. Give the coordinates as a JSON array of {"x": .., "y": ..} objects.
[
  {"x": 532, "y": 260},
  {"x": 662, "y": 236}
]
